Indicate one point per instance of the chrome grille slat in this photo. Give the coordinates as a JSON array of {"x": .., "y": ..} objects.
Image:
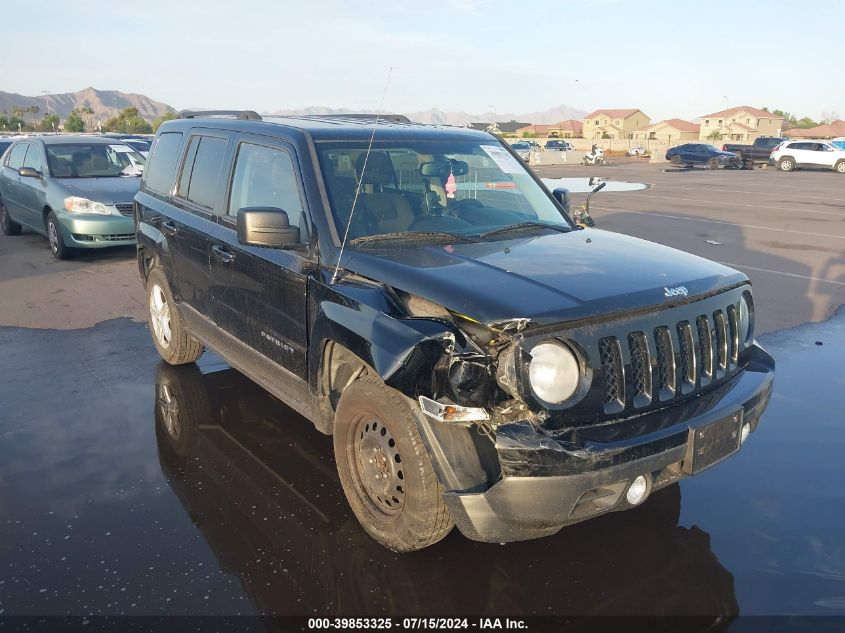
[
  {"x": 733, "y": 331},
  {"x": 720, "y": 327},
  {"x": 705, "y": 349}
]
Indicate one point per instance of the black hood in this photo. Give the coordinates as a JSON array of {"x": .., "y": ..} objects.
[{"x": 549, "y": 278}]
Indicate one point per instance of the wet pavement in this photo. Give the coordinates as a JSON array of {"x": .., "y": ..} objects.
[{"x": 130, "y": 487}]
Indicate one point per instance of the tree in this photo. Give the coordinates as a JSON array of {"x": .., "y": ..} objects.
[
  {"x": 50, "y": 123},
  {"x": 830, "y": 116},
  {"x": 805, "y": 122},
  {"x": 128, "y": 122},
  {"x": 715, "y": 135},
  {"x": 34, "y": 110},
  {"x": 167, "y": 116},
  {"x": 74, "y": 122}
]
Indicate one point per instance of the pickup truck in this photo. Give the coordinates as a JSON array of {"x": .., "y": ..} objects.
[{"x": 756, "y": 153}]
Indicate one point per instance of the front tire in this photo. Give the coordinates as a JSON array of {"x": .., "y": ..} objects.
[
  {"x": 54, "y": 237},
  {"x": 713, "y": 163},
  {"x": 676, "y": 160},
  {"x": 385, "y": 470},
  {"x": 7, "y": 224},
  {"x": 174, "y": 343},
  {"x": 786, "y": 164}
]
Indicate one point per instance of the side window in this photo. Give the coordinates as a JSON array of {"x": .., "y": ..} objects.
[
  {"x": 158, "y": 174},
  {"x": 265, "y": 177},
  {"x": 33, "y": 158},
  {"x": 205, "y": 172},
  {"x": 16, "y": 155},
  {"x": 187, "y": 166}
]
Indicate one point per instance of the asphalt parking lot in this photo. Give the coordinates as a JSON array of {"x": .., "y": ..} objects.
[{"x": 101, "y": 514}]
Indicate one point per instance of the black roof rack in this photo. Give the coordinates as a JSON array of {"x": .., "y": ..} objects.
[
  {"x": 244, "y": 115},
  {"x": 393, "y": 118}
]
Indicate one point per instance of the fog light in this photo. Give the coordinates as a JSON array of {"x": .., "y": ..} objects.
[
  {"x": 743, "y": 435},
  {"x": 637, "y": 490}
]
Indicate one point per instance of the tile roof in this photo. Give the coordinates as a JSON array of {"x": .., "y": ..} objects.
[
  {"x": 829, "y": 130},
  {"x": 678, "y": 124},
  {"x": 762, "y": 114},
  {"x": 617, "y": 113}
]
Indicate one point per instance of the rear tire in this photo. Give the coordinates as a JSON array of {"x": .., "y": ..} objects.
[
  {"x": 7, "y": 224},
  {"x": 54, "y": 237},
  {"x": 174, "y": 343},
  {"x": 385, "y": 470},
  {"x": 840, "y": 167},
  {"x": 786, "y": 164}
]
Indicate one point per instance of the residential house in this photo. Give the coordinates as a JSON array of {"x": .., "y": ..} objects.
[
  {"x": 571, "y": 128},
  {"x": 498, "y": 127},
  {"x": 669, "y": 131},
  {"x": 834, "y": 129},
  {"x": 742, "y": 123},
  {"x": 614, "y": 123}
]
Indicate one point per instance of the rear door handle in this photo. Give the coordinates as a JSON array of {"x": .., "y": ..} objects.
[
  {"x": 223, "y": 254},
  {"x": 169, "y": 228}
]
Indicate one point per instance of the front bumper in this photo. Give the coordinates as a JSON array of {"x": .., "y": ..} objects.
[
  {"x": 556, "y": 479},
  {"x": 96, "y": 231}
]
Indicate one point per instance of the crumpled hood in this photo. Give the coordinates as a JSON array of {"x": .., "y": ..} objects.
[
  {"x": 548, "y": 278},
  {"x": 105, "y": 190}
]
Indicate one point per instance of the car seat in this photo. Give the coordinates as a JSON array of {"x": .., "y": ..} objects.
[{"x": 390, "y": 209}]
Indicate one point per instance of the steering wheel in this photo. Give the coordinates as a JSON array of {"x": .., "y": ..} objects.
[{"x": 459, "y": 207}]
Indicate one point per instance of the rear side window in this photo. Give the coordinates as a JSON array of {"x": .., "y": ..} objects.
[
  {"x": 265, "y": 177},
  {"x": 158, "y": 175},
  {"x": 16, "y": 155},
  {"x": 207, "y": 153}
]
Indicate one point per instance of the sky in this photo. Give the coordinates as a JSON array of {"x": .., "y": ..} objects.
[{"x": 669, "y": 58}]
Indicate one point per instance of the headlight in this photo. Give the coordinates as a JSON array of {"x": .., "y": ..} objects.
[
  {"x": 746, "y": 317},
  {"x": 84, "y": 205},
  {"x": 553, "y": 372}
]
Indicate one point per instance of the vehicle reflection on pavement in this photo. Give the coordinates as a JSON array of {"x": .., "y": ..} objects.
[{"x": 260, "y": 484}]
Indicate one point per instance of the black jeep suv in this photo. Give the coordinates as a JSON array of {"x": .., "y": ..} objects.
[{"x": 418, "y": 293}]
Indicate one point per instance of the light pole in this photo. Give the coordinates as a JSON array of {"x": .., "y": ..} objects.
[
  {"x": 46, "y": 94},
  {"x": 726, "y": 102}
]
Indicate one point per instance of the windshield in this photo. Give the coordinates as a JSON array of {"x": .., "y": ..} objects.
[
  {"x": 459, "y": 188},
  {"x": 94, "y": 160}
]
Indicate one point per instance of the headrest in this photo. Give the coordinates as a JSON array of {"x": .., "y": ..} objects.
[{"x": 379, "y": 169}]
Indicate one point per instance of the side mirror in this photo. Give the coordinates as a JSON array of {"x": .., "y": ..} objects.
[
  {"x": 268, "y": 227},
  {"x": 561, "y": 194},
  {"x": 29, "y": 172}
]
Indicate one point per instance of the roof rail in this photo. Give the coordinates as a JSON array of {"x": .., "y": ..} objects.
[
  {"x": 245, "y": 115},
  {"x": 394, "y": 118}
]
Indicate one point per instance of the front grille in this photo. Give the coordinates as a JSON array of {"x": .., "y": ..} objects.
[
  {"x": 125, "y": 208},
  {"x": 115, "y": 237},
  {"x": 642, "y": 368}
]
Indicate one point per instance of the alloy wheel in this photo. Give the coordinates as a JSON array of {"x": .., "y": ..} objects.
[
  {"x": 160, "y": 316},
  {"x": 53, "y": 236},
  {"x": 169, "y": 407}
]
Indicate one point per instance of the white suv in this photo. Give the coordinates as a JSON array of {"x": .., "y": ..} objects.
[{"x": 793, "y": 154}]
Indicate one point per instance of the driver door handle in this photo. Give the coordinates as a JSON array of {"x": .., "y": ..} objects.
[
  {"x": 169, "y": 228},
  {"x": 223, "y": 254}
]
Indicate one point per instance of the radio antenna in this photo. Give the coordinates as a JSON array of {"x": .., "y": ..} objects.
[{"x": 361, "y": 179}]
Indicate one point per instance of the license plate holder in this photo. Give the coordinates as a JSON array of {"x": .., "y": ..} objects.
[{"x": 711, "y": 443}]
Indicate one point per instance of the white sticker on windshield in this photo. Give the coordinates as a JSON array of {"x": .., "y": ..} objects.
[
  {"x": 505, "y": 161},
  {"x": 121, "y": 149}
]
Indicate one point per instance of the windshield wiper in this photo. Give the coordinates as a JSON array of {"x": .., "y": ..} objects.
[
  {"x": 519, "y": 226},
  {"x": 409, "y": 235}
]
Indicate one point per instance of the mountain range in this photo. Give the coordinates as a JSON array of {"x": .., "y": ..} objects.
[
  {"x": 105, "y": 103},
  {"x": 108, "y": 103}
]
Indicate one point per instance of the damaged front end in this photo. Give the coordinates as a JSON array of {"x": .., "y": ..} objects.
[{"x": 648, "y": 399}]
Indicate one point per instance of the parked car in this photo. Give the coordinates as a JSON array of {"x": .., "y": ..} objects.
[
  {"x": 75, "y": 190},
  {"x": 803, "y": 154},
  {"x": 558, "y": 145},
  {"x": 839, "y": 143},
  {"x": 478, "y": 360},
  {"x": 140, "y": 145},
  {"x": 523, "y": 150},
  {"x": 758, "y": 152},
  {"x": 700, "y": 154}
]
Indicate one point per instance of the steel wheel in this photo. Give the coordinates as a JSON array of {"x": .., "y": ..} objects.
[
  {"x": 169, "y": 408},
  {"x": 53, "y": 236},
  {"x": 160, "y": 316},
  {"x": 786, "y": 164},
  {"x": 840, "y": 167},
  {"x": 379, "y": 477}
]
